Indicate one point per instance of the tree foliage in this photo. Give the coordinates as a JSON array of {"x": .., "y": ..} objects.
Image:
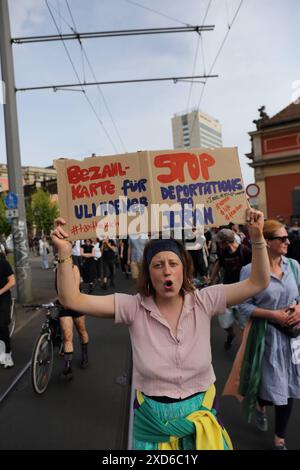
[
  {"x": 5, "y": 227},
  {"x": 43, "y": 211}
]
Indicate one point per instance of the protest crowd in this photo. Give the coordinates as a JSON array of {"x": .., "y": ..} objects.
[
  {"x": 217, "y": 256},
  {"x": 248, "y": 275}
]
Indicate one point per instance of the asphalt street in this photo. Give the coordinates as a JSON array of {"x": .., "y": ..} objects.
[{"x": 91, "y": 412}]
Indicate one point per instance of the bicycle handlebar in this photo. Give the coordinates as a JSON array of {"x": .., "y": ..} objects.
[{"x": 50, "y": 305}]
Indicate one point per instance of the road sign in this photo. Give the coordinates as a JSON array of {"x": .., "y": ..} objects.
[
  {"x": 11, "y": 200},
  {"x": 252, "y": 190},
  {"x": 11, "y": 214}
]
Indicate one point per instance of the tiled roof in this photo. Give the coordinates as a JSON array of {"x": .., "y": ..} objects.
[{"x": 288, "y": 114}]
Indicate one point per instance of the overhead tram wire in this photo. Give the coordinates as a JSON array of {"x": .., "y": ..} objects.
[
  {"x": 155, "y": 11},
  {"x": 216, "y": 58},
  {"x": 78, "y": 36},
  {"x": 196, "y": 55},
  {"x": 116, "y": 82},
  {"x": 193, "y": 73},
  {"x": 78, "y": 78},
  {"x": 109, "y": 34},
  {"x": 84, "y": 54},
  {"x": 71, "y": 14}
]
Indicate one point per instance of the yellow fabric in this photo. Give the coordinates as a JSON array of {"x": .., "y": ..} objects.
[
  {"x": 139, "y": 397},
  {"x": 209, "y": 434},
  {"x": 209, "y": 397}
]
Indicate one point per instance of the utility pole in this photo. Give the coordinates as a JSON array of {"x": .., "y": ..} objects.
[{"x": 19, "y": 227}]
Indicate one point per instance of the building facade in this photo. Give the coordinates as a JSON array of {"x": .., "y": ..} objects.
[
  {"x": 275, "y": 156},
  {"x": 196, "y": 129},
  {"x": 31, "y": 176}
]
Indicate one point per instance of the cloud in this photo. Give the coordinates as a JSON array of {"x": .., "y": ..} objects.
[{"x": 26, "y": 16}]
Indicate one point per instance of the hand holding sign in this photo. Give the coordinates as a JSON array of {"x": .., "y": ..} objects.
[
  {"x": 60, "y": 238},
  {"x": 150, "y": 191}
]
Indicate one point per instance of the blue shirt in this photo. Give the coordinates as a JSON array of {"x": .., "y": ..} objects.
[
  {"x": 137, "y": 244},
  {"x": 279, "y": 294},
  {"x": 280, "y": 379}
]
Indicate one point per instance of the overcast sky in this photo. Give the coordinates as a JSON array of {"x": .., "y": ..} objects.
[{"x": 258, "y": 65}]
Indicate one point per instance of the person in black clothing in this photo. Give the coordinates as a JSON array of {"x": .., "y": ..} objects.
[
  {"x": 232, "y": 256},
  {"x": 89, "y": 271},
  {"x": 108, "y": 255},
  {"x": 294, "y": 246},
  {"x": 195, "y": 245},
  {"x": 124, "y": 256},
  {"x": 7, "y": 281},
  {"x": 67, "y": 318}
]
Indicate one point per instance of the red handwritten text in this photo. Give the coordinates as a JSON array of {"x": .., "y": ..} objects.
[
  {"x": 226, "y": 210},
  {"x": 196, "y": 165},
  {"x": 80, "y": 175},
  {"x": 80, "y": 191}
]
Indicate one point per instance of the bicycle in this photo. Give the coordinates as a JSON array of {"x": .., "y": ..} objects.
[
  {"x": 42, "y": 355},
  {"x": 12, "y": 323}
]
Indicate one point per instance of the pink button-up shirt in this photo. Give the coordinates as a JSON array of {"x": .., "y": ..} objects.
[{"x": 165, "y": 365}]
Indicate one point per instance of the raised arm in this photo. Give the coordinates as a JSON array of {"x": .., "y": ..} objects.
[
  {"x": 68, "y": 292},
  {"x": 11, "y": 282},
  {"x": 260, "y": 273}
]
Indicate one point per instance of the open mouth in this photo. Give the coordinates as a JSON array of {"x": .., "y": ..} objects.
[{"x": 168, "y": 284}]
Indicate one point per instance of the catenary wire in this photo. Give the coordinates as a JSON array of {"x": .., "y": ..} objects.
[
  {"x": 78, "y": 78},
  {"x": 214, "y": 62},
  {"x": 200, "y": 38},
  {"x": 155, "y": 11},
  {"x": 84, "y": 54}
]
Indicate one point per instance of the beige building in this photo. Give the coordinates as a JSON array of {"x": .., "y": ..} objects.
[
  {"x": 31, "y": 175},
  {"x": 196, "y": 129}
]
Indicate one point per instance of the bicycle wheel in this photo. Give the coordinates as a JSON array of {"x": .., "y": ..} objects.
[
  {"x": 41, "y": 363},
  {"x": 12, "y": 323}
]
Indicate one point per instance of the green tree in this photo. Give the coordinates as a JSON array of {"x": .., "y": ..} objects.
[
  {"x": 5, "y": 228},
  {"x": 29, "y": 215},
  {"x": 44, "y": 211}
]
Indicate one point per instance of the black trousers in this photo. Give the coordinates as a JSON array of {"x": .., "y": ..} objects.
[
  {"x": 109, "y": 268},
  {"x": 282, "y": 415},
  {"x": 198, "y": 262}
]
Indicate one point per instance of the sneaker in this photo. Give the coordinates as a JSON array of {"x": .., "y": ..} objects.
[
  {"x": 280, "y": 446},
  {"x": 66, "y": 374},
  {"x": 228, "y": 342},
  {"x": 2, "y": 358},
  {"x": 261, "y": 420},
  {"x": 8, "y": 362}
]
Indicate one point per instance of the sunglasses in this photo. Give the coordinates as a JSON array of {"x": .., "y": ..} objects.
[{"x": 282, "y": 239}]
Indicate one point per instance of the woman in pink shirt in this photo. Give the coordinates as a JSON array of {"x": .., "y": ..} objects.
[{"x": 169, "y": 325}]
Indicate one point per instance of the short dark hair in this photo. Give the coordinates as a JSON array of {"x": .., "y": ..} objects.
[{"x": 145, "y": 287}]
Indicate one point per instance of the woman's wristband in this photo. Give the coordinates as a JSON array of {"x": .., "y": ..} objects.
[
  {"x": 62, "y": 260},
  {"x": 260, "y": 244}
]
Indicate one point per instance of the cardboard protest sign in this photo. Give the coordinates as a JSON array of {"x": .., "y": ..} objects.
[{"x": 150, "y": 191}]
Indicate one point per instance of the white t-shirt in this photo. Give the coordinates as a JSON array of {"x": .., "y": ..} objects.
[
  {"x": 98, "y": 253},
  {"x": 76, "y": 248}
]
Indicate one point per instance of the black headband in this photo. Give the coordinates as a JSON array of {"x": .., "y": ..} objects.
[{"x": 163, "y": 245}]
